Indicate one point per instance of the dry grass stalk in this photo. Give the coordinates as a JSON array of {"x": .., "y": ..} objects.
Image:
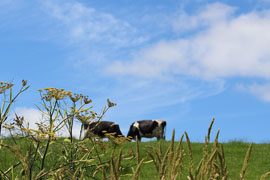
[
  {"x": 139, "y": 163},
  {"x": 191, "y": 162},
  {"x": 103, "y": 173},
  {"x": 171, "y": 155},
  {"x": 207, "y": 139},
  {"x": 118, "y": 165},
  {"x": 178, "y": 159},
  {"x": 136, "y": 174},
  {"x": 263, "y": 177},
  {"x": 162, "y": 169},
  {"x": 156, "y": 163},
  {"x": 137, "y": 151},
  {"x": 22, "y": 158},
  {"x": 113, "y": 173},
  {"x": 168, "y": 170},
  {"x": 223, "y": 166},
  {"x": 214, "y": 169},
  {"x": 243, "y": 171}
]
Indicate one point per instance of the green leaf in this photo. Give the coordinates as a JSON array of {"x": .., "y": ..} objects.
[
  {"x": 83, "y": 110},
  {"x": 25, "y": 89},
  {"x": 44, "y": 105},
  {"x": 3, "y": 119},
  {"x": 56, "y": 115},
  {"x": 43, "y": 112},
  {"x": 2, "y": 108},
  {"x": 10, "y": 95}
]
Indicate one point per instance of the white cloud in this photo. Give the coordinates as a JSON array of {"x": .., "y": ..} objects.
[
  {"x": 75, "y": 131},
  {"x": 33, "y": 116},
  {"x": 261, "y": 91},
  {"x": 227, "y": 47},
  {"x": 208, "y": 15},
  {"x": 30, "y": 115}
]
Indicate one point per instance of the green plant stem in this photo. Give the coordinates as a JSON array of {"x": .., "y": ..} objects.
[
  {"x": 0, "y": 126},
  {"x": 33, "y": 160},
  {"x": 45, "y": 153},
  {"x": 4, "y": 174}
]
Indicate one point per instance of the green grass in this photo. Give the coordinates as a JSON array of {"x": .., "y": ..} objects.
[{"x": 259, "y": 162}]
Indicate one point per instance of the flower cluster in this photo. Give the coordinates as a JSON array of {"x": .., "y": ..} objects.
[
  {"x": 110, "y": 104},
  {"x": 49, "y": 93},
  {"x": 39, "y": 134},
  {"x": 117, "y": 140},
  {"x": 5, "y": 86},
  {"x": 85, "y": 116}
]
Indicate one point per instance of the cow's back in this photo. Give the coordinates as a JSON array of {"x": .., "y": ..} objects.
[{"x": 147, "y": 126}]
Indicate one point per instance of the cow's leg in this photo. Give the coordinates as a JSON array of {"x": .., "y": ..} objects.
[
  {"x": 159, "y": 138},
  {"x": 162, "y": 136}
]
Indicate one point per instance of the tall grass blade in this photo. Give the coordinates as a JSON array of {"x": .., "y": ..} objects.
[
  {"x": 263, "y": 177},
  {"x": 191, "y": 162},
  {"x": 118, "y": 165},
  {"x": 137, "y": 150},
  {"x": 136, "y": 174},
  {"x": 243, "y": 171}
]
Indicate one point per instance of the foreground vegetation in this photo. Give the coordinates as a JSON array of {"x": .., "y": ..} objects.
[
  {"x": 39, "y": 154},
  {"x": 123, "y": 159}
]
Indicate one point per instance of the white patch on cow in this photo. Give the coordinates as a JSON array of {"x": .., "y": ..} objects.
[
  {"x": 159, "y": 121},
  {"x": 136, "y": 124},
  {"x": 114, "y": 124}
]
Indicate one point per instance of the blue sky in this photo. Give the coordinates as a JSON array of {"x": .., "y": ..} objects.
[{"x": 182, "y": 61}]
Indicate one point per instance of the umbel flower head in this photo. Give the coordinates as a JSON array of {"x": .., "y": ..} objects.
[
  {"x": 5, "y": 86},
  {"x": 49, "y": 93},
  {"x": 110, "y": 104}
]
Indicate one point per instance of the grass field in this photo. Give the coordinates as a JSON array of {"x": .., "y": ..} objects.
[{"x": 259, "y": 161}]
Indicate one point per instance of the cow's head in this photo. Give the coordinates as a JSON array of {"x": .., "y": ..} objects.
[
  {"x": 89, "y": 124},
  {"x": 133, "y": 132}
]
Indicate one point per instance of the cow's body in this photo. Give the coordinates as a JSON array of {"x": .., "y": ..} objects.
[
  {"x": 148, "y": 129},
  {"x": 94, "y": 129}
]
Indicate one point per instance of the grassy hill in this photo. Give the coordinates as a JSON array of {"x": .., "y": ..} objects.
[{"x": 92, "y": 160}]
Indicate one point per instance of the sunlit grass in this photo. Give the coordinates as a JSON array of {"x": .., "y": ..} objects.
[{"x": 234, "y": 155}]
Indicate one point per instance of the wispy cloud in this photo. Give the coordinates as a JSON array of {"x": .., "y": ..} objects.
[
  {"x": 205, "y": 17},
  {"x": 31, "y": 116},
  {"x": 86, "y": 24},
  {"x": 261, "y": 91}
]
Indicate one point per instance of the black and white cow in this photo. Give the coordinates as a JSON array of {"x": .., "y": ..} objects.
[
  {"x": 94, "y": 129},
  {"x": 148, "y": 129}
]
